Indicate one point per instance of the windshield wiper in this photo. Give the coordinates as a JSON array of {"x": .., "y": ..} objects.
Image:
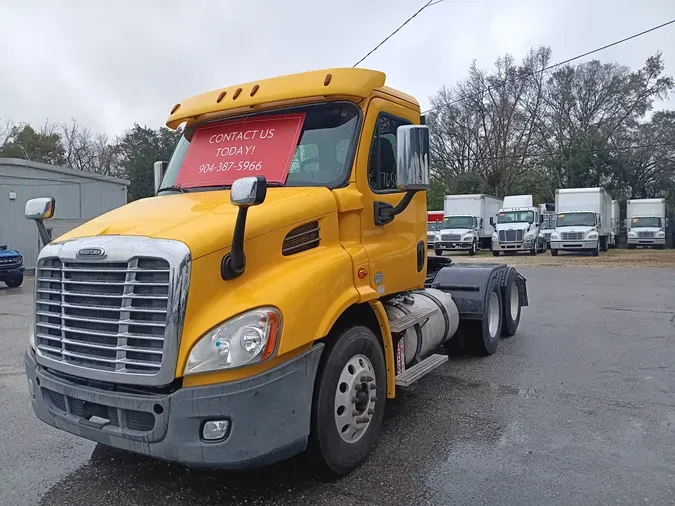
[{"x": 173, "y": 189}]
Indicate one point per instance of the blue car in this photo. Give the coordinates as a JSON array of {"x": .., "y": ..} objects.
[{"x": 11, "y": 267}]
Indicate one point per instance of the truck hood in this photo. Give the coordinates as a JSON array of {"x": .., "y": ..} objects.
[
  {"x": 584, "y": 230},
  {"x": 4, "y": 253},
  {"x": 204, "y": 221},
  {"x": 646, "y": 229},
  {"x": 456, "y": 231},
  {"x": 515, "y": 226}
]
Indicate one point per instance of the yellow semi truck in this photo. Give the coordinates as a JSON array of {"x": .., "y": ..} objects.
[{"x": 272, "y": 295}]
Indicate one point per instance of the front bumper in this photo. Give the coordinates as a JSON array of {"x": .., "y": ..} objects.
[
  {"x": 646, "y": 242},
  {"x": 453, "y": 245},
  {"x": 574, "y": 245},
  {"x": 512, "y": 246},
  {"x": 269, "y": 415},
  {"x": 12, "y": 272}
]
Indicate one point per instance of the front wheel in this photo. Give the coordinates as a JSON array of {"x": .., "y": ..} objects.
[
  {"x": 14, "y": 282},
  {"x": 474, "y": 249},
  {"x": 631, "y": 246},
  {"x": 554, "y": 252},
  {"x": 495, "y": 253},
  {"x": 439, "y": 252},
  {"x": 348, "y": 404},
  {"x": 596, "y": 251}
]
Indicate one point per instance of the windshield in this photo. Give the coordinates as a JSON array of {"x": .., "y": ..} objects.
[
  {"x": 575, "y": 220},
  {"x": 320, "y": 154},
  {"x": 433, "y": 226},
  {"x": 515, "y": 217},
  {"x": 458, "y": 222},
  {"x": 645, "y": 221}
]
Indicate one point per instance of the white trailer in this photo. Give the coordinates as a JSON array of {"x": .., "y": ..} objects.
[
  {"x": 616, "y": 227},
  {"x": 646, "y": 223},
  {"x": 584, "y": 220},
  {"x": 466, "y": 223}
]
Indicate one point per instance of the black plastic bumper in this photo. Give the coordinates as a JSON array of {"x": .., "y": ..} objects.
[{"x": 269, "y": 415}]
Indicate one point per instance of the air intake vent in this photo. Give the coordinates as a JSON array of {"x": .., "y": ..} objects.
[{"x": 301, "y": 239}]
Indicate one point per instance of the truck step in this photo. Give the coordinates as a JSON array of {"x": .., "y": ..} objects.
[
  {"x": 407, "y": 321},
  {"x": 410, "y": 376}
]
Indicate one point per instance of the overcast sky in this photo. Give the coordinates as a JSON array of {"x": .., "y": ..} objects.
[{"x": 115, "y": 63}]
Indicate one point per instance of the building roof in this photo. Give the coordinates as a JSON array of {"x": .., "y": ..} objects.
[
  {"x": 354, "y": 83},
  {"x": 62, "y": 170}
]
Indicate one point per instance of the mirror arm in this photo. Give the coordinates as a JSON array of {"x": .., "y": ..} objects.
[
  {"x": 234, "y": 263},
  {"x": 385, "y": 213},
  {"x": 42, "y": 230}
]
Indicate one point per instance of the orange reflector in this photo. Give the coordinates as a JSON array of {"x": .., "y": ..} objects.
[
  {"x": 236, "y": 94},
  {"x": 362, "y": 273},
  {"x": 221, "y": 96}
]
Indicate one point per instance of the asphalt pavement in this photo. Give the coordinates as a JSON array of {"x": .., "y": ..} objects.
[{"x": 577, "y": 408}]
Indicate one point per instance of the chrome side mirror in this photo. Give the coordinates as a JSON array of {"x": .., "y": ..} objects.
[
  {"x": 159, "y": 169},
  {"x": 412, "y": 157},
  {"x": 248, "y": 191},
  {"x": 40, "y": 209}
]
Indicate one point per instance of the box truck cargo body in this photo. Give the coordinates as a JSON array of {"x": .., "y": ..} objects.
[
  {"x": 466, "y": 222},
  {"x": 646, "y": 223},
  {"x": 583, "y": 220}
]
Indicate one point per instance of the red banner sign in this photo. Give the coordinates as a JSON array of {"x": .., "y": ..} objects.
[{"x": 222, "y": 153}]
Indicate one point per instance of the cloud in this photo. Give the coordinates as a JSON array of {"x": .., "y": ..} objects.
[{"x": 110, "y": 65}]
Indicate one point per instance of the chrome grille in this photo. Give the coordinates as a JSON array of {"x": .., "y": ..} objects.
[
  {"x": 511, "y": 235},
  {"x": 117, "y": 318},
  {"x": 108, "y": 316},
  {"x": 645, "y": 234},
  {"x": 572, "y": 236},
  {"x": 451, "y": 237},
  {"x": 431, "y": 237}
]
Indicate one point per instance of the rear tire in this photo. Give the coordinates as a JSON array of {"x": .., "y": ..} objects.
[
  {"x": 340, "y": 391},
  {"x": 14, "y": 282},
  {"x": 490, "y": 328},
  {"x": 554, "y": 252},
  {"x": 512, "y": 303},
  {"x": 439, "y": 252}
]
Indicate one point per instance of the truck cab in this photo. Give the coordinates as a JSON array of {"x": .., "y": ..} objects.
[
  {"x": 517, "y": 227},
  {"x": 548, "y": 222},
  {"x": 459, "y": 233},
  {"x": 434, "y": 222},
  {"x": 272, "y": 295}
]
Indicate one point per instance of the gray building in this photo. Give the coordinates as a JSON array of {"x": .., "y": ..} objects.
[{"x": 80, "y": 196}]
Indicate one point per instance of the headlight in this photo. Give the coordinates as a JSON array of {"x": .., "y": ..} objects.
[
  {"x": 592, "y": 235},
  {"x": 467, "y": 238},
  {"x": 19, "y": 259},
  {"x": 554, "y": 236},
  {"x": 242, "y": 340},
  {"x": 631, "y": 234},
  {"x": 660, "y": 234},
  {"x": 530, "y": 236}
]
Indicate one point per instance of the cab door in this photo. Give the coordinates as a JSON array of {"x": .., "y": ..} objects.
[{"x": 397, "y": 250}]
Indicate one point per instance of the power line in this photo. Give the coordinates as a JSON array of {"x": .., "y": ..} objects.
[
  {"x": 545, "y": 69},
  {"x": 569, "y": 151},
  {"x": 428, "y": 4}
]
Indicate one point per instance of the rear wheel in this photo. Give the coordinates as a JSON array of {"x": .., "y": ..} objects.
[
  {"x": 14, "y": 282},
  {"x": 348, "y": 404},
  {"x": 439, "y": 252},
  {"x": 554, "y": 252},
  {"x": 512, "y": 303},
  {"x": 490, "y": 328},
  {"x": 474, "y": 248}
]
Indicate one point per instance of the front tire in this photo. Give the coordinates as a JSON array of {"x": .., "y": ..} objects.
[
  {"x": 14, "y": 282},
  {"x": 439, "y": 252},
  {"x": 495, "y": 253},
  {"x": 474, "y": 249},
  {"x": 596, "y": 251},
  {"x": 348, "y": 404},
  {"x": 631, "y": 246},
  {"x": 554, "y": 252}
]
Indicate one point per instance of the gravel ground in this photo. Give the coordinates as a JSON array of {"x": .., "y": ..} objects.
[{"x": 641, "y": 258}]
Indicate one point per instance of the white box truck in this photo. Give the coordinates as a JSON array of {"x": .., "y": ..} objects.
[
  {"x": 584, "y": 220},
  {"x": 517, "y": 227},
  {"x": 616, "y": 226},
  {"x": 646, "y": 223},
  {"x": 466, "y": 223}
]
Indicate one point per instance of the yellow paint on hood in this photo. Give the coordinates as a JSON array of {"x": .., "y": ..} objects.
[{"x": 205, "y": 220}]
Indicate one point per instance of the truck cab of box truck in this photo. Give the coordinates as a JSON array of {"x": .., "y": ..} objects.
[
  {"x": 434, "y": 222},
  {"x": 548, "y": 222},
  {"x": 272, "y": 295},
  {"x": 646, "y": 220},
  {"x": 583, "y": 222},
  {"x": 517, "y": 226}
]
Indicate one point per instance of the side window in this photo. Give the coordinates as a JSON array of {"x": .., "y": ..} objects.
[{"x": 382, "y": 164}]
